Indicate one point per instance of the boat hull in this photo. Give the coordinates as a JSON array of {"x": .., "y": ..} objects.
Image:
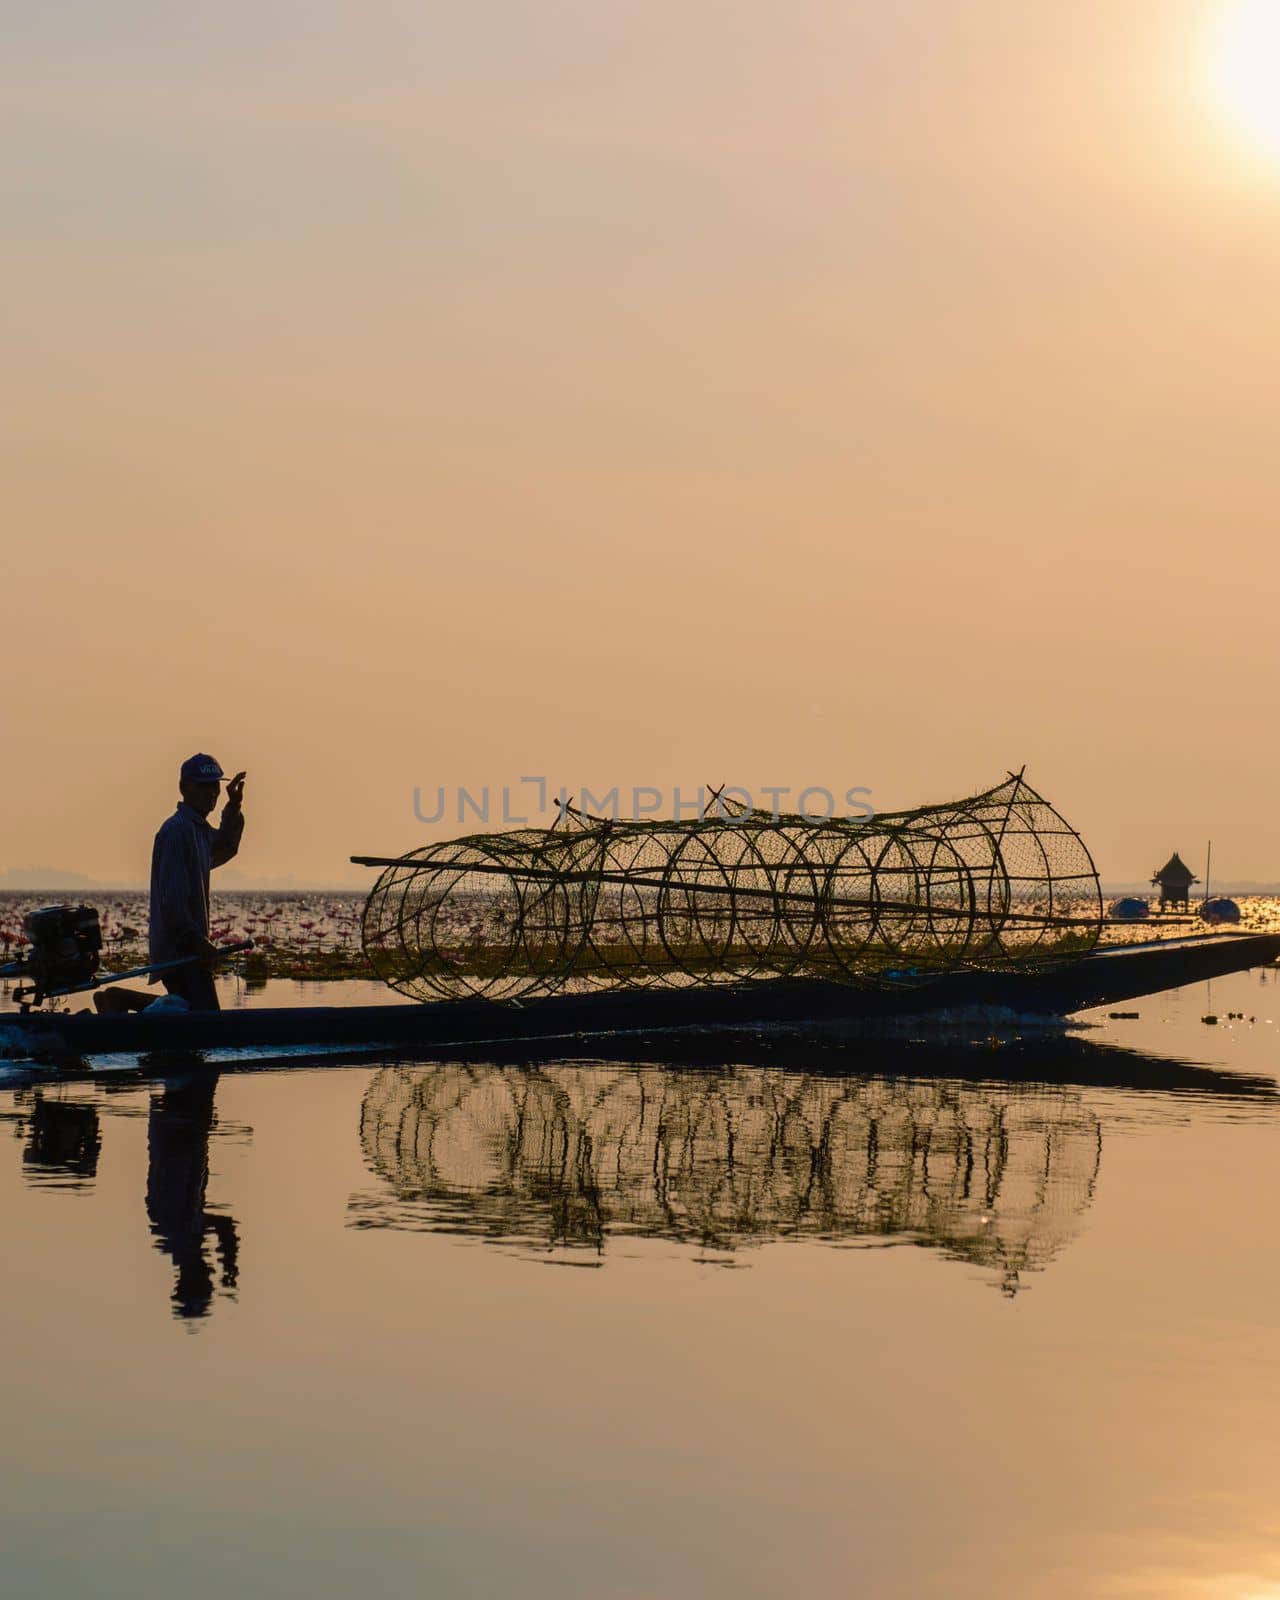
[{"x": 1104, "y": 978}]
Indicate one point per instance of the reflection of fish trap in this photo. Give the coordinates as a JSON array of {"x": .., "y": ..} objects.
[
  {"x": 565, "y": 1155},
  {"x": 993, "y": 882}
]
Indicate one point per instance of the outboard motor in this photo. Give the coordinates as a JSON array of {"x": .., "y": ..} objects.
[{"x": 66, "y": 947}]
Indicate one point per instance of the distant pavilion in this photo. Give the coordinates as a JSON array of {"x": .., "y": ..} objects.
[{"x": 1174, "y": 880}]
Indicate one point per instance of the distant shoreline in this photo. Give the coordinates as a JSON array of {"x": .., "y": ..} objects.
[{"x": 65, "y": 890}]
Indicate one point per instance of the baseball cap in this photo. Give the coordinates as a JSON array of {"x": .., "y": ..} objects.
[{"x": 200, "y": 769}]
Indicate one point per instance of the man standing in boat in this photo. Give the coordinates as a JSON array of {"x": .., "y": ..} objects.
[{"x": 185, "y": 851}]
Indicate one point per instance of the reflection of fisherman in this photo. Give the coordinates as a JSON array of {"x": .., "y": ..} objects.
[
  {"x": 177, "y": 1177},
  {"x": 185, "y": 850}
]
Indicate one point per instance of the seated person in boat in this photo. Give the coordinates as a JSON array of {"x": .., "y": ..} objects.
[{"x": 186, "y": 849}]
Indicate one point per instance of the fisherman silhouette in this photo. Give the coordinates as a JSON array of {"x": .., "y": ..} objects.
[
  {"x": 178, "y": 1128},
  {"x": 186, "y": 850}
]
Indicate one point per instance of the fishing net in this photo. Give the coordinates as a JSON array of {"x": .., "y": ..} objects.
[{"x": 990, "y": 883}]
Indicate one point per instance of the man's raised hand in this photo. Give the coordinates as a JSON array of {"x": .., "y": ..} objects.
[{"x": 235, "y": 789}]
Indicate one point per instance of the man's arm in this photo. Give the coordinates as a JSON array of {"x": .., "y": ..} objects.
[{"x": 226, "y": 837}]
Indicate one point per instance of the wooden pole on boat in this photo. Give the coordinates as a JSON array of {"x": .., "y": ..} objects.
[
  {"x": 1208, "y": 862},
  {"x": 627, "y": 880}
]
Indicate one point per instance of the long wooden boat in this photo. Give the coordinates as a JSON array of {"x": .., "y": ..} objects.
[{"x": 1106, "y": 977}]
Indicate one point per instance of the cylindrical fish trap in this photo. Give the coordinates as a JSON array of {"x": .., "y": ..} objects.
[{"x": 994, "y": 882}]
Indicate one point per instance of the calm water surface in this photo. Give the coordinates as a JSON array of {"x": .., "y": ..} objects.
[{"x": 939, "y": 1320}]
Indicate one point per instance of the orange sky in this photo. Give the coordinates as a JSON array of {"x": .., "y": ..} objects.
[{"x": 827, "y": 393}]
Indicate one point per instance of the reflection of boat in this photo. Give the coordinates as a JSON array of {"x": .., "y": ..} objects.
[
  {"x": 1038, "y": 1056},
  {"x": 63, "y": 1144},
  {"x": 64, "y": 1141},
  {"x": 562, "y": 1157},
  {"x": 1103, "y": 978}
]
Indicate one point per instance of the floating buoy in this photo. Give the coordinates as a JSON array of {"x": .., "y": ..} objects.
[{"x": 1128, "y": 909}]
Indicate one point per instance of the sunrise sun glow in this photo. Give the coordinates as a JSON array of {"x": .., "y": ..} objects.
[{"x": 1245, "y": 71}]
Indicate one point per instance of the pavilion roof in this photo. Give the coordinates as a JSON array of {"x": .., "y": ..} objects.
[{"x": 1175, "y": 870}]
